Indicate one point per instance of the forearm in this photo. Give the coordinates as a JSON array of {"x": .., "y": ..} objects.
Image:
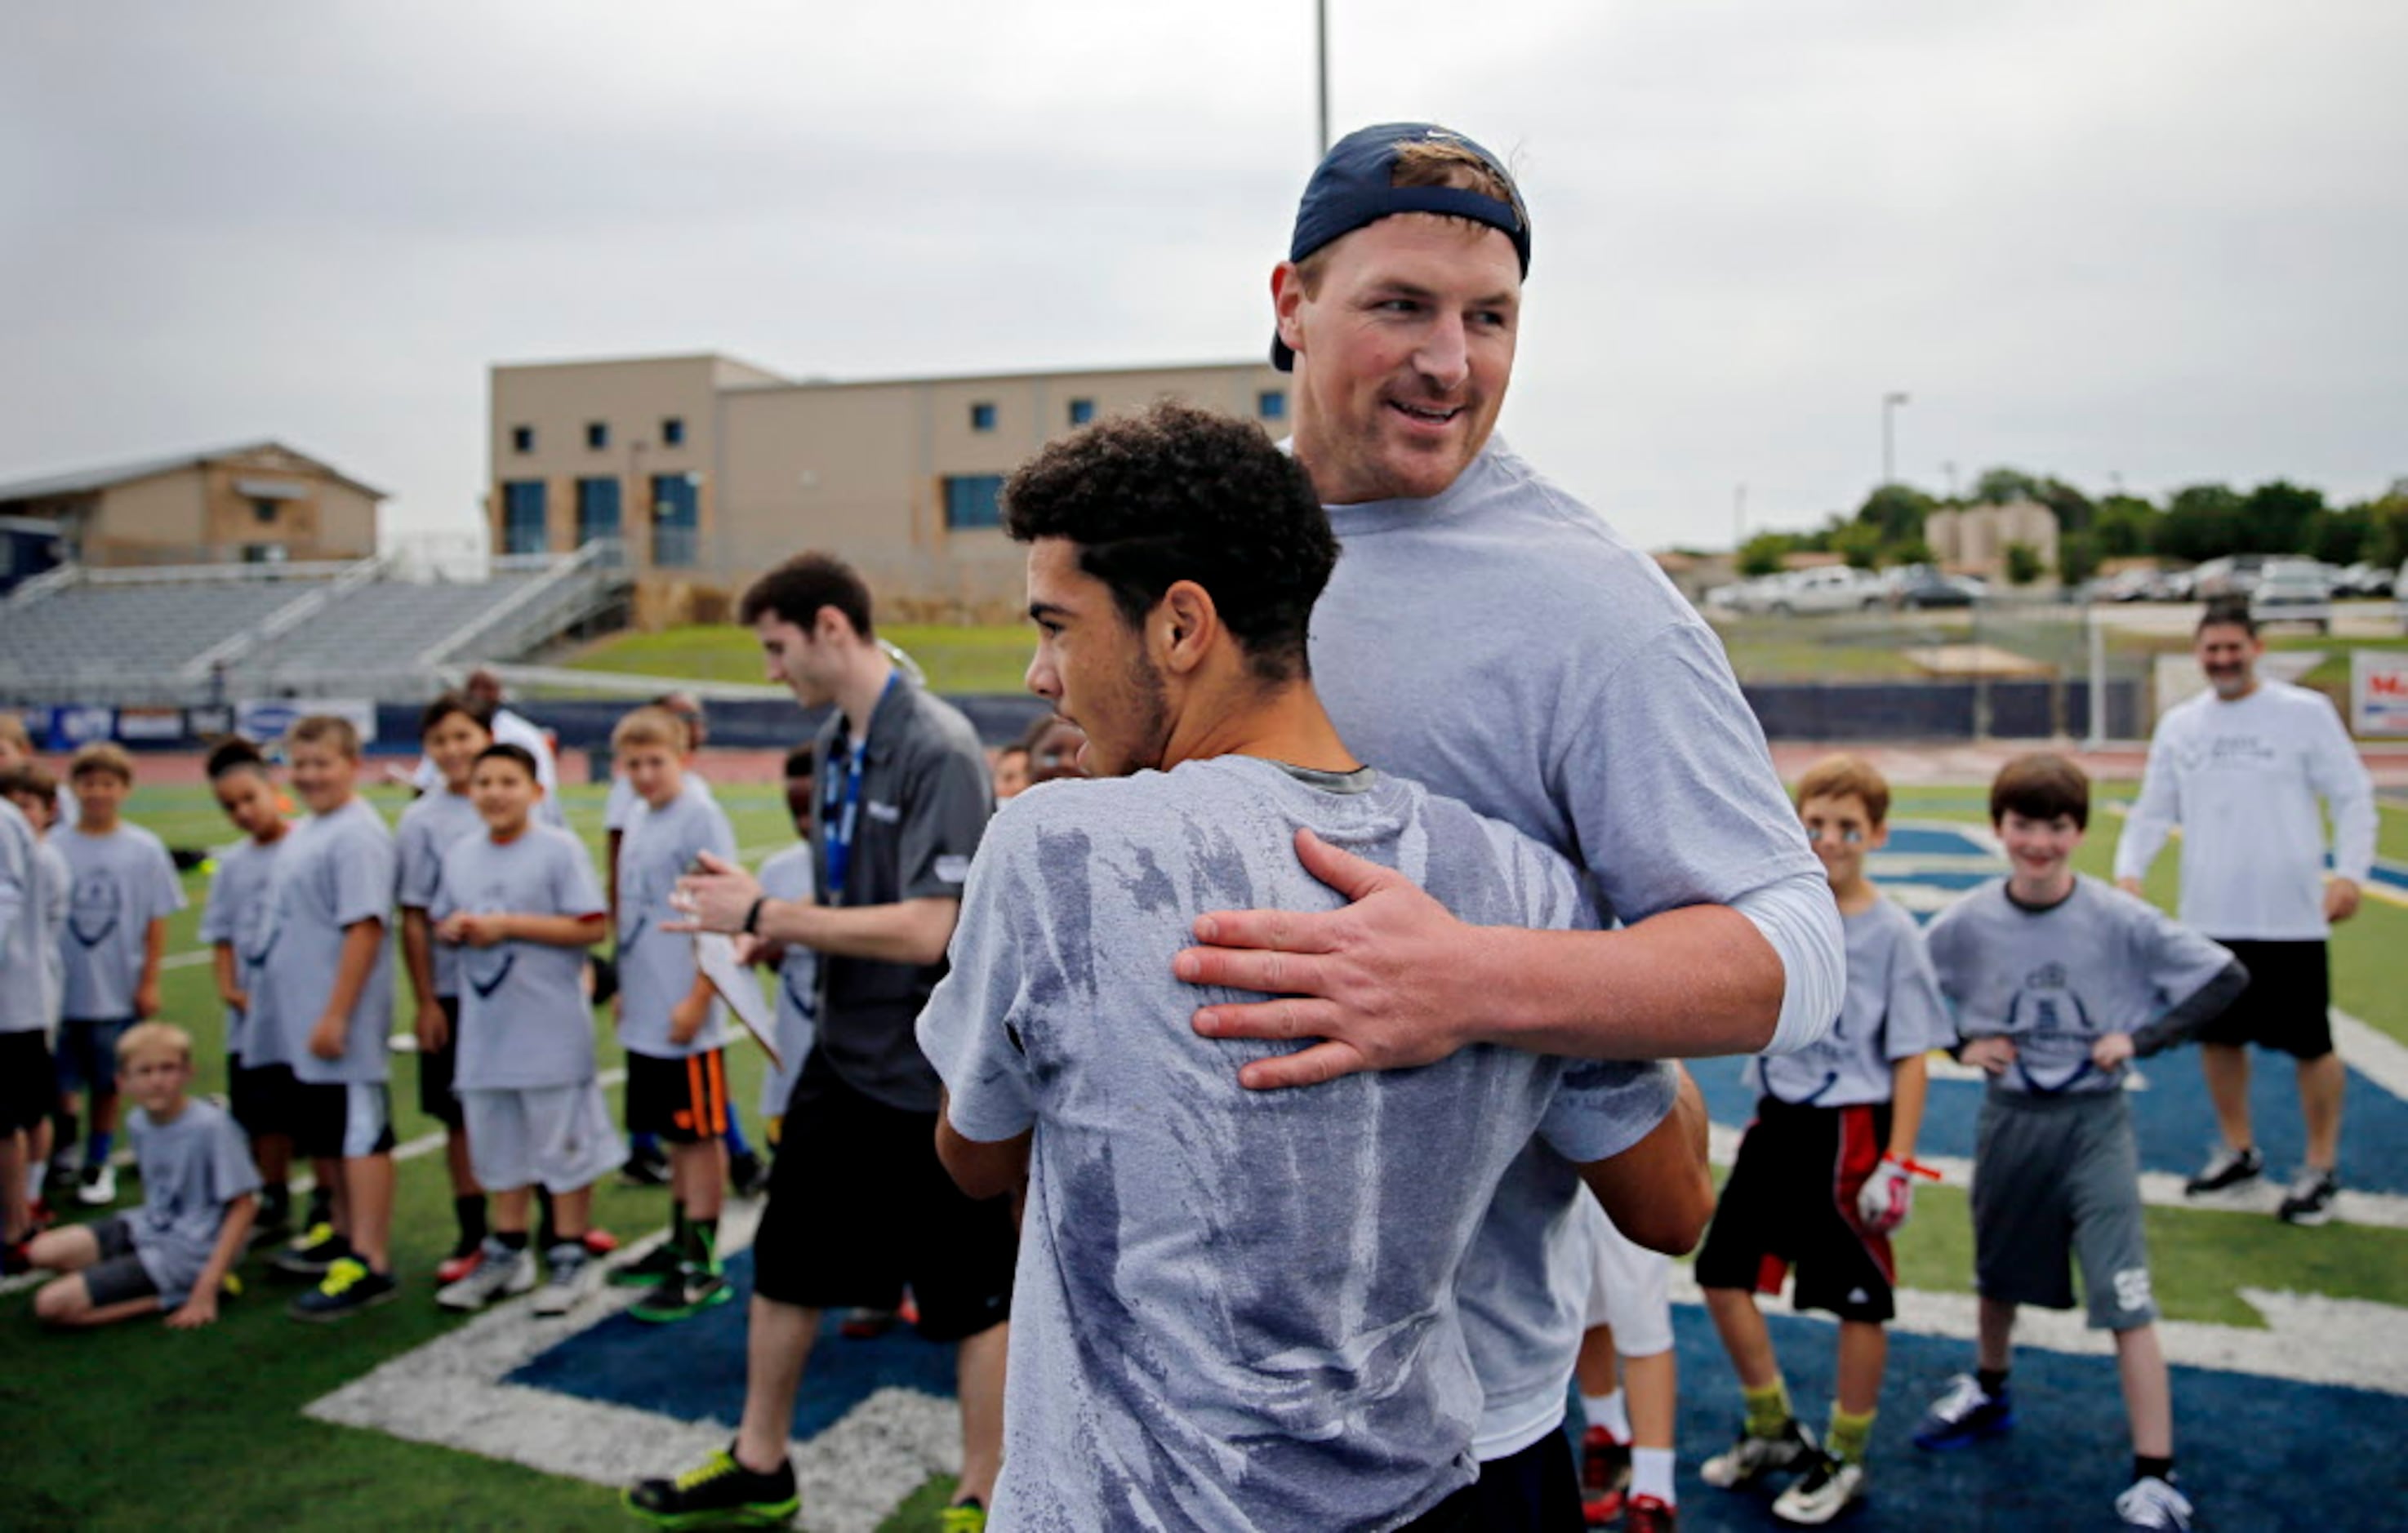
[
  {"x": 2183, "y": 1022},
  {"x": 1658, "y": 1192},
  {"x": 222, "y": 963},
  {"x": 361, "y": 941},
  {"x": 1910, "y": 1084},
  {"x": 1686, "y": 985},
  {"x": 234, "y": 1237},
  {"x": 2353, "y": 829},
  {"x": 418, "y": 953},
  {"x": 980, "y": 1169},
  {"x": 912, "y": 931},
  {"x": 154, "y": 952},
  {"x": 552, "y": 931}
]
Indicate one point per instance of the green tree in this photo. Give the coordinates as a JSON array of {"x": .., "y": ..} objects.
[
  {"x": 1860, "y": 545},
  {"x": 1896, "y": 513},
  {"x": 1761, "y": 554},
  {"x": 2386, "y": 537},
  {"x": 2023, "y": 564},
  {"x": 2074, "y": 510},
  {"x": 2340, "y": 536},
  {"x": 2202, "y": 522},
  {"x": 2126, "y": 525},
  {"x": 2275, "y": 518},
  {"x": 2005, "y": 486},
  {"x": 1912, "y": 550},
  {"x": 2077, "y": 557}
]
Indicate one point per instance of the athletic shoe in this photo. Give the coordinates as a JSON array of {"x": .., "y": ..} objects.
[
  {"x": 98, "y": 1187},
  {"x": 747, "y": 1175},
  {"x": 40, "y": 1215},
  {"x": 718, "y": 1493},
  {"x": 2225, "y": 1168},
  {"x": 1966, "y": 1415},
  {"x": 465, "y": 1257},
  {"x": 498, "y": 1272},
  {"x": 1605, "y": 1476},
  {"x": 650, "y": 1269},
  {"x": 866, "y": 1325},
  {"x": 350, "y": 1287},
  {"x": 59, "y": 1177},
  {"x": 684, "y": 1294},
  {"x": 568, "y": 1277},
  {"x": 2310, "y": 1201},
  {"x": 961, "y": 1517},
  {"x": 1831, "y": 1486},
  {"x": 646, "y": 1169},
  {"x": 311, "y": 1253},
  {"x": 1752, "y": 1457},
  {"x": 1647, "y": 1514},
  {"x": 2153, "y": 1503}
]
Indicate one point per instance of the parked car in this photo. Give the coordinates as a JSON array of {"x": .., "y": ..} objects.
[
  {"x": 2366, "y": 579},
  {"x": 1833, "y": 588},
  {"x": 1920, "y": 586},
  {"x": 2292, "y": 591},
  {"x": 2234, "y": 574}
]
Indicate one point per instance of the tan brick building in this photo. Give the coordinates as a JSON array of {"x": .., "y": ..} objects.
[
  {"x": 259, "y": 503},
  {"x": 711, "y": 470},
  {"x": 1974, "y": 541}
]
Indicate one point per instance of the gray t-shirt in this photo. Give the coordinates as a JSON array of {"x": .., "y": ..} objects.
[
  {"x": 656, "y": 967},
  {"x": 1893, "y": 1011},
  {"x": 26, "y": 951},
  {"x": 1501, "y": 644},
  {"x": 192, "y": 1166},
  {"x": 336, "y": 870},
  {"x": 58, "y": 887},
  {"x": 926, "y": 795},
  {"x": 2057, "y": 980},
  {"x": 524, "y": 1020},
  {"x": 238, "y": 914},
  {"x": 427, "y": 829},
  {"x": 788, "y": 876},
  {"x": 1233, "y": 1309},
  {"x": 123, "y": 881}
]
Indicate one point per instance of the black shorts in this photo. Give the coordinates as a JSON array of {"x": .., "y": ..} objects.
[
  {"x": 1536, "y": 1490},
  {"x": 29, "y": 1088},
  {"x": 684, "y": 1101},
  {"x": 435, "y": 1098},
  {"x": 119, "y": 1277},
  {"x": 1791, "y": 1199},
  {"x": 341, "y": 1120},
  {"x": 859, "y": 1206},
  {"x": 2290, "y": 990},
  {"x": 263, "y": 1098}
]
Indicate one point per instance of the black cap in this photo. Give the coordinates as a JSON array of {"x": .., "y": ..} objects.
[{"x": 1355, "y": 184}]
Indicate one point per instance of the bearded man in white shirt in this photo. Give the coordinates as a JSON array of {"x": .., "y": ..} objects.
[{"x": 2240, "y": 767}]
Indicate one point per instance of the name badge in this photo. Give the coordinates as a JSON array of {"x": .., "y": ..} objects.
[{"x": 885, "y": 815}]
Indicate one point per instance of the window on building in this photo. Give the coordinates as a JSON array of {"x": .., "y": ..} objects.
[
  {"x": 673, "y": 431},
  {"x": 973, "y": 500},
  {"x": 521, "y": 438},
  {"x": 677, "y": 519},
  {"x": 263, "y": 510},
  {"x": 523, "y": 516},
  {"x": 598, "y": 510},
  {"x": 597, "y": 435},
  {"x": 1081, "y": 411},
  {"x": 983, "y": 416},
  {"x": 1271, "y": 404}
]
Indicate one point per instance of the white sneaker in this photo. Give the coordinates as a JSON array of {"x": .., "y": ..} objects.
[
  {"x": 1826, "y": 1492},
  {"x": 568, "y": 1277},
  {"x": 1752, "y": 1457},
  {"x": 2153, "y": 1503},
  {"x": 503, "y": 1272},
  {"x": 98, "y": 1188}
]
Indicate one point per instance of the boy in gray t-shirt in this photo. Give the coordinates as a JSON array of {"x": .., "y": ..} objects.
[
  {"x": 2060, "y": 981},
  {"x": 199, "y": 1195},
  {"x": 236, "y": 922},
  {"x": 518, "y": 905}
]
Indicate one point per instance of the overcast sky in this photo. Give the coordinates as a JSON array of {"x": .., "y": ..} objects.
[{"x": 2093, "y": 237}]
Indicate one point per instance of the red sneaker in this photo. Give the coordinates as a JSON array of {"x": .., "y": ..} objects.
[
  {"x": 1605, "y": 1476},
  {"x": 1646, "y": 1515},
  {"x": 452, "y": 1269}
]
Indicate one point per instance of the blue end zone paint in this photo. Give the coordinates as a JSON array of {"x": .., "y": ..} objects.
[
  {"x": 1921, "y": 840},
  {"x": 695, "y": 1369},
  {"x": 2251, "y": 1452}
]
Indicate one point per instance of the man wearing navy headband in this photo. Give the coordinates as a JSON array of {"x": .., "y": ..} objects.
[{"x": 1489, "y": 634}]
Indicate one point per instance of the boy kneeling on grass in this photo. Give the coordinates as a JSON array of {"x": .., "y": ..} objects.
[
  {"x": 199, "y": 1192},
  {"x": 2060, "y": 979}
]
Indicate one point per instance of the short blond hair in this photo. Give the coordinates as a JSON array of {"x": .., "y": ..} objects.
[
  {"x": 101, "y": 756},
  {"x": 146, "y": 1036},
  {"x": 12, "y": 729},
  {"x": 650, "y": 726},
  {"x": 1847, "y": 776},
  {"x": 325, "y": 729}
]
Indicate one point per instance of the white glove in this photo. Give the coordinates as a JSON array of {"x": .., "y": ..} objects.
[{"x": 1884, "y": 1199}]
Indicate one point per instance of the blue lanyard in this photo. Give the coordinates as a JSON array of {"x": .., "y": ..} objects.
[{"x": 842, "y": 815}]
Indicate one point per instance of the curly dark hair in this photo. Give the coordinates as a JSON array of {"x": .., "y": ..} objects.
[
  {"x": 1173, "y": 492},
  {"x": 798, "y": 588}
]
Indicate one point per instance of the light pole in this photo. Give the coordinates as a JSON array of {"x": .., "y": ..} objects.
[
  {"x": 1889, "y": 435},
  {"x": 1321, "y": 66}
]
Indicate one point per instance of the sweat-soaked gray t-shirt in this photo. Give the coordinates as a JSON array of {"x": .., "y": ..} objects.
[{"x": 1234, "y": 1309}]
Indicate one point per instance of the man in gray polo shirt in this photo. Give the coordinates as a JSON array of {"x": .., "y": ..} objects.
[{"x": 859, "y": 1206}]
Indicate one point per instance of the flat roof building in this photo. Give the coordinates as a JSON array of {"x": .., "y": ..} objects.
[{"x": 711, "y": 470}]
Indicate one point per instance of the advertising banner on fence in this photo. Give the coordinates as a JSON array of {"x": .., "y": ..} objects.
[
  {"x": 267, "y": 718},
  {"x": 2378, "y": 692}
]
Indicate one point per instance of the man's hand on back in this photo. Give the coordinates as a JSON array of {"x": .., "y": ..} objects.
[{"x": 1385, "y": 983}]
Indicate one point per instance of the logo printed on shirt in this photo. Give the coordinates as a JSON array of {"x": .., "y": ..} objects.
[
  {"x": 97, "y": 905},
  {"x": 885, "y": 815},
  {"x": 954, "y": 869}
]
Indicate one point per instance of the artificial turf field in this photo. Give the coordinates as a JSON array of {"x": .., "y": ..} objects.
[{"x": 140, "y": 1427}]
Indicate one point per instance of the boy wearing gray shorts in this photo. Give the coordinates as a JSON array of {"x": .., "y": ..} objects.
[{"x": 2059, "y": 981}]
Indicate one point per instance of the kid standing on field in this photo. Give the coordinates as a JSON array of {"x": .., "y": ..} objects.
[
  {"x": 451, "y": 731},
  {"x": 175, "y": 1251},
  {"x": 28, "y": 1093},
  {"x": 330, "y": 989},
  {"x": 518, "y": 905},
  {"x": 125, "y": 888},
  {"x": 2060, "y": 979},
  {"x": 671, "y": 1022},
  {"x": 1825, "y": 1171},
  {"x": 233, "y": 921},
  {"x": 791, "y": 875}
]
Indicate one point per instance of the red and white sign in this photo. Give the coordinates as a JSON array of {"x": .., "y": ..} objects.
[{"x": 2378, "y": 690}]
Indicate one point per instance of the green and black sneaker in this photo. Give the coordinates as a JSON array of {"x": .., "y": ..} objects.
[
  {"x": 684, "y": 1293},
  {"x": 650, "y": 1270},
  {"x": 350, "y": 1287},
  {"x": 718, "y": 1493}
]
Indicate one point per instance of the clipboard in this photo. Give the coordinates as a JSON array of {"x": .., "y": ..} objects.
[{"x": 715, "y": 954}]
